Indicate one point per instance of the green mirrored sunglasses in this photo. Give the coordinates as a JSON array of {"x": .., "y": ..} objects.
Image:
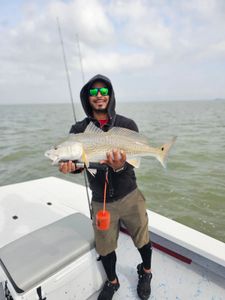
[{"x": 103, "y": 91}]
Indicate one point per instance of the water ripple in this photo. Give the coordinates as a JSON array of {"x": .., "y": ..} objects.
[{"x": 192, "y": 188}]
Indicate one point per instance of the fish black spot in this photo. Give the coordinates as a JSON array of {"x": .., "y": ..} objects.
[
  {"x": 55, "y": 148},
  {"x": 49, "y": 203},
  {"x": 162, "y": 148},
  {"x": 14, "y": 217}
]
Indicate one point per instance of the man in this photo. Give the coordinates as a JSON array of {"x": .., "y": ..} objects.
[{"x": 124, "y": 201}]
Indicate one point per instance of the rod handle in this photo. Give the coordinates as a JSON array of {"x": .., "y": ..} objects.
[{"x": 93, "y": 165}]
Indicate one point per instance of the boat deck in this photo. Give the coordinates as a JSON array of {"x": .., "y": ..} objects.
[
  {"x": 172, "y": 278},
  {"x": 28, "y": 206}
]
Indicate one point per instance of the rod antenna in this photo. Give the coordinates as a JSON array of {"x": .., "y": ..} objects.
[{"x": 67, "y": 70}]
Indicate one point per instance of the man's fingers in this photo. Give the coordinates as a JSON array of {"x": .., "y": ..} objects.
[
  {"x": 123, "y": 155},
  {"x": 67, "y": 167},
  {"x": 116, "y": 155},
  {"x": 62, "y": 167},
  {"x": 109, "y": 157},
  {"x": 103, "y": 162},
  {"x": 73, "y": 167},
  {"x": 115, "y": 158}
]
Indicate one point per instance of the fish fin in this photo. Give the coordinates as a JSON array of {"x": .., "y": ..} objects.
[
  {"x": 135, "y": 162},
  {"x": 92, "y": 172},
  {"x": 164, "y": 151},
  {"x": 84, "y": 158},
  {"x": 92, "y": 128},
  {"x": 128, "y": 133},
  {"x": 55, "y": 161}
]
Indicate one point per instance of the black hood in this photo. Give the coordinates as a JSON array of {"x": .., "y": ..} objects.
[{"x": 84, "y": 94}]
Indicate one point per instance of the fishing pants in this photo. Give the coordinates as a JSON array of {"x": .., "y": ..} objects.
[{"x": 131, "y": 210}]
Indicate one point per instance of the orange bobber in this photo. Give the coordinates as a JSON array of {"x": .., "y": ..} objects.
[{"x": 103, "y": 220}]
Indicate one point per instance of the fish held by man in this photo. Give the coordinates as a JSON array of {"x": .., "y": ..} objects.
[{"x": 93, "y": 144}]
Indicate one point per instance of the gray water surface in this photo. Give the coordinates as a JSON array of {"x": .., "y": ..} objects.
[{"x": 192, "y": 188}]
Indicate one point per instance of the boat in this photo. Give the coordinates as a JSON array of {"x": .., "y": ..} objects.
[{"x": 47, "y": 250}]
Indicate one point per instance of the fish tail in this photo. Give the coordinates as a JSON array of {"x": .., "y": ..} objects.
[{"x": 163, "y": 151}]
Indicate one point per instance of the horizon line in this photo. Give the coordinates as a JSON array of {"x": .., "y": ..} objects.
[{"x": 142, "y": 101}]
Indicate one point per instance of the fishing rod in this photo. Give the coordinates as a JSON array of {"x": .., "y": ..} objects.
[
  {"x": 67, "y": 70},
  {"x": 103, "y": 216},
  {"x": 82, "y": 165},
  {"x": 80, "y": 57},
  {"x": 78, "y": 164}
]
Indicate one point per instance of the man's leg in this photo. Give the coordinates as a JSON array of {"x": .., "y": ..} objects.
[
  {"x": 109, "y": 264},
  {"x": 106, "y": 243},
  {"x": 144, "y": 272},
  {"x": 135, "y": 219},
  {"x": 112, "y": 284},
  {"x": 146, "y": 255}
]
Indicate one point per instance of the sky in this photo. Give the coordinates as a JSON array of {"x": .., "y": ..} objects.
[{"x": 152, "y": 50}]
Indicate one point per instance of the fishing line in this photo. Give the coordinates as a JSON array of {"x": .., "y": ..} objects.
[
  {"x": 85, "y": 167},
  {"x": 66, "y": 68},
  {"x": 103, "y": 216},
  {"x": 71, "y": 98},
  {"x": 80, "y": 57},
  {"x": 86, "y": 185}
]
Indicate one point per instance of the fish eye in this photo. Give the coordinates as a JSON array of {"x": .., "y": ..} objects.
[{"x": 55, "y": 148}]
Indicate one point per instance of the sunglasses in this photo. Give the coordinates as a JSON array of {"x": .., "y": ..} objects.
[{"x": 103, "y": 91}]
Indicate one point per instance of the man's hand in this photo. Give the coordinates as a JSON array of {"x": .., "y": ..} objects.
[
  {"x": 115, "y": 159},
  {"x": 67, "y": 167}
]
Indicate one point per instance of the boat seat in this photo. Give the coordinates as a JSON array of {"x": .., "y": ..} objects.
[{"x": 32, "y": 258}]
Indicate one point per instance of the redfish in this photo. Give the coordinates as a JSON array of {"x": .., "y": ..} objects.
[{"x": 93, "y": 144}]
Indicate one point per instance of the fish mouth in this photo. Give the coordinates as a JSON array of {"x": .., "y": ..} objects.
[
  {"x": 47, "y": 154},
  {"x": 51, "y": 156}
]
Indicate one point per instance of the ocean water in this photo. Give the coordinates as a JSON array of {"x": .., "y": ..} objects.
[{"x": 191, "y": 190}]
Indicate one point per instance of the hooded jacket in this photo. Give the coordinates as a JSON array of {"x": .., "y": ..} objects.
[{"x": 119, "y": 183}]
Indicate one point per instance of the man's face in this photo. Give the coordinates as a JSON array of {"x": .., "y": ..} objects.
[{"x": 99, "y": 103}]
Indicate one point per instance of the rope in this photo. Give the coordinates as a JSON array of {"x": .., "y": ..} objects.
[{"x": 105, "y": 189}]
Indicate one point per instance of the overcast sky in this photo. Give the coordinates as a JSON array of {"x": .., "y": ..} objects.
[{"x": 151, "y": 50}]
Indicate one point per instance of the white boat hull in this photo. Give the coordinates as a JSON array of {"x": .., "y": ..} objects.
[{"x": 186, "y": 263}]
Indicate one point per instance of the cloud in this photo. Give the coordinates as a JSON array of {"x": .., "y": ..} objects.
[
  {"x": 134, "y": 39},
  {"x": 142, "y": 24},
  {"x": 115, "y": 62},
  {"x": 88, "y": 19}
]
